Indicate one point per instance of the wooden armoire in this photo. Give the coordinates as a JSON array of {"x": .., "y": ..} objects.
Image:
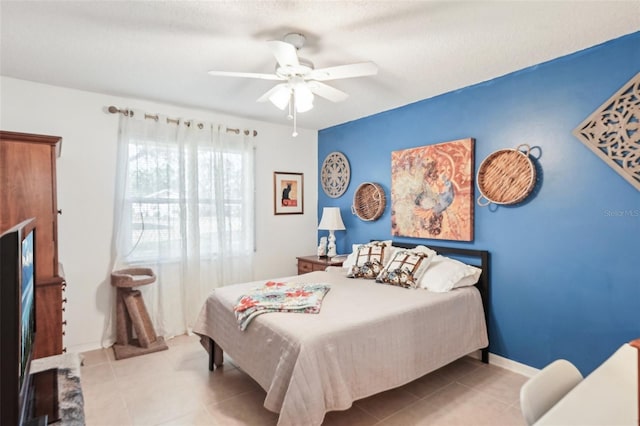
[{"x": 28, "y": 189}]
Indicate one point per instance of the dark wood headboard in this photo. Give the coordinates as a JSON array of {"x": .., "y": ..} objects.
[{"x": 483, "y": 282}]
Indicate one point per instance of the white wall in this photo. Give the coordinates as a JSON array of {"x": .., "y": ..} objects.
[{"x": 86, "y": 178}]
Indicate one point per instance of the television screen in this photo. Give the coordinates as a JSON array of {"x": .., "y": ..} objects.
[
  {"x": 17, "y": 320},
  {"x": 27, "y": 306}
]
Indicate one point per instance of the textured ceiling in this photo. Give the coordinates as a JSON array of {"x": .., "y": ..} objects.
[{"x": 162, "y": 50}]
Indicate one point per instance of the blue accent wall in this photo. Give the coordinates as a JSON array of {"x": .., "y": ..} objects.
[{"x": 566, "y": 261}]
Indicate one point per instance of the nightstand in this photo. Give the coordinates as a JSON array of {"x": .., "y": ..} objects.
[{"x": 315, "y": 263}]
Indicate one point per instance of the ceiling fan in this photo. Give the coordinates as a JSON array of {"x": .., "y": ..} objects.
[{"x": 301, "y": 81}]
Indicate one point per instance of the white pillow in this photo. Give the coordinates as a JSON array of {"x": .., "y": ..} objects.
[
  {"x": 445, "y": 274},
  {"x": 353, "y": 256},
  {"x": 424, "y": 249}
]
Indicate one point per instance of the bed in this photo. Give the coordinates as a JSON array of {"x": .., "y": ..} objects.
[{"x": 367, "y": 338}]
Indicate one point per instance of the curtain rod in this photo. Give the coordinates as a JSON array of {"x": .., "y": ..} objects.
[{"x": 129, "y": 113}]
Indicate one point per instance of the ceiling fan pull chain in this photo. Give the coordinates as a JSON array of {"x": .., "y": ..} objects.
[
  {"x": 293, "y": 113},
  {"x": 292, "y": 107}
]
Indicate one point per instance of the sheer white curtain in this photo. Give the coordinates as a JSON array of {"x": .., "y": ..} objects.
[{"x": 184, "y": 207}]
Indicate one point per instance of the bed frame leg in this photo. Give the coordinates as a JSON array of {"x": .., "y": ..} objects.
[
  {"x": 485, "y": 355},
  {"x": 215, "y": 355}
]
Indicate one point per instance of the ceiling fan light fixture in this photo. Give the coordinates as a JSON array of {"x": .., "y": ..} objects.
[
  {"x": 303, "y": 98},
  {"x": 280, "y": 98},
  {"x": 304, "y": 107}
]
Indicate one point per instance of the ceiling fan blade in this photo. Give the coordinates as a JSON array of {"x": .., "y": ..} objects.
[
  {"x": 284, "y": 52},
  {"x": 344, "y": 71},
  {"x": 327, "y": 91},
  {"x": 245, "y": 75}
]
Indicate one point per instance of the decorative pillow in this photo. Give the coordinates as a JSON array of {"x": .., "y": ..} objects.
[
  {"x": 351, "y": 258},
  {"x": 445, "y": 274},
  {"x": 406, "y": 267},
  {"x": 369, "y": 260}
]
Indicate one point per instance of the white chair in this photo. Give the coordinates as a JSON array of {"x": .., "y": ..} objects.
[{"x": 545, "y": 389}]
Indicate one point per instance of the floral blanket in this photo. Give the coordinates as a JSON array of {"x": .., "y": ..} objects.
[{"x": 279, "y": 297}]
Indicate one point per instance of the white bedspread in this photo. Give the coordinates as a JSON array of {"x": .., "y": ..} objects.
[{"x": 367, "y": 338}]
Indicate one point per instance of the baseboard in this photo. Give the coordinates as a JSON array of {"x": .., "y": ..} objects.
[
  {"x": 508, "y": 364},
  {"x": 85, "y": 347},
  {"x": 514, "y": 366}
]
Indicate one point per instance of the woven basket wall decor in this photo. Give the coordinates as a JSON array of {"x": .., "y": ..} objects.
[
  {"x": 506, "y": 177},
  {"x": 369, "y": 201}
]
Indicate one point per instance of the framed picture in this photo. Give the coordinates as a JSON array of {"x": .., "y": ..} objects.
[
  {"x": 288, "y": 193},
  {"x": 432, "y": 191}
]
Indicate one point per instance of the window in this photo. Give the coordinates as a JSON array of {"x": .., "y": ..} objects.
[{"x": 181, "y": 198}]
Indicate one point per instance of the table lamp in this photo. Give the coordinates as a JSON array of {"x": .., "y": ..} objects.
[{"x": 331, "y": 221}]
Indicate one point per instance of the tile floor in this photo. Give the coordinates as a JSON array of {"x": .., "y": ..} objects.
[{"x": 175, "y": 387}]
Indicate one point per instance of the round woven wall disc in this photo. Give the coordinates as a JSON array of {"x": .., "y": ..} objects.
[{"x": 335, "y": 174}]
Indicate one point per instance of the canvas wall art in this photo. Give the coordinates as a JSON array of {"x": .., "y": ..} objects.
[{"x": 432, "y": 191}]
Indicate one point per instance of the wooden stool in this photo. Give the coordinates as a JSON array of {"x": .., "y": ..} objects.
[{"x": 131, "y": 314}]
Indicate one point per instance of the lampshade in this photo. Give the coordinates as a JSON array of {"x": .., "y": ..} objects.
[
  {"x": 280, "y": 98},
  {"x": 303, "y": 98},
  {"x": 331, "y": 219}
]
